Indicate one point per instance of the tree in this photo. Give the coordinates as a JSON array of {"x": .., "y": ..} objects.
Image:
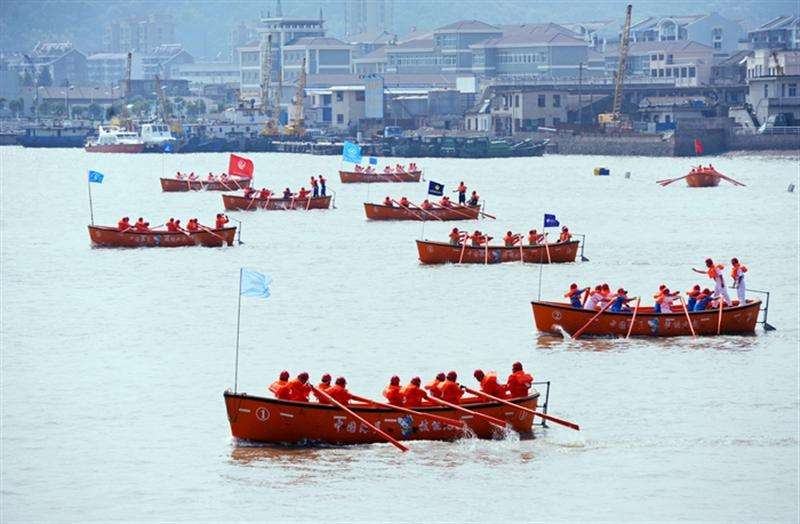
[{"x": 44, "y": 78}]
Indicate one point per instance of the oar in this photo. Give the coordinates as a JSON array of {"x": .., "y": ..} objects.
[
  {"x": 251, "y": 202},
  {"x": 551, "y": 418},
  {"x": 409, "y": 210},
  {"x": 581, "y": 330},
  {"x": 521, "y": 252},
  {"x": 488, "y": 215},
  {"x": 633, "y": 319},
  {"x": 308, "y": 205},
  {"x": 359, "y": 417},
  {"x": 729, "y": 179},
  {"x": 434, "y": 215},
  {"x": 207, "y": 230},
  {"x": 719, "y": 317},
  {"x": 688, "y": 318},
  {"x": 668, "y": 182},
  {"x": 463, "y": 249},
  {"x": 491, "y": 420},
  {"x": 456, "y": 211},
  {"x": 547, "y": 249},
  {"x": 450, "y": 421}
]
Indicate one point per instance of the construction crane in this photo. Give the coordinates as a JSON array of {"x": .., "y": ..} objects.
[
  {"x": 615, "y": 119},
  {"x": 270, "y": 128},
  {"x": 297, "y": 126}
]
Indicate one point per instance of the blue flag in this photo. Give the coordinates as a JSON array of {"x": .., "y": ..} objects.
[
  {"x": 96, "y": 177},
  {"x": 255, "y": 284},
  {"x": 550, "y": 221},
  {"x": 373, "y": 161},
  {"x": 435, "y": 188},
  {"x": 351, "y": 152},
  {"x": 168, "y": 148}
]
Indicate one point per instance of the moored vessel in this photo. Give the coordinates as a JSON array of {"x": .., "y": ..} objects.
[{"x": 113, "y": 139}]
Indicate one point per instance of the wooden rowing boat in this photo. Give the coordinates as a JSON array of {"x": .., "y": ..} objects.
[
  {"x": 382, "y": 212},
  {"x": 351, "y": 177},
  {"x": 232, "y": 184},
  {"x": 443, "y": 252},
  {"x": 240, "y": 203},
  {"x": 269, "y": 420},
  {"x": 552, "y": 317},
  {"x": 703, "y": 177},
  {"x": 112, "y": 237}
]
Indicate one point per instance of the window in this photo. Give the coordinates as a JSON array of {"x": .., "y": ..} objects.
[
  {"x": 326, "y": 100},
  {"x": 783, "y": 90},
  {"x": 339, "y": 96},
  {"x": 654, "y": 72},
  {"x": 717, "y": 45},
  {"x": 661, "y": 56},
  {"x": 541, "y": 101},
  {"x": 683, "y": 72},
  {"x": 516, "y": 100},
  {"x": 792, "y": 89},
  {"x": 556, "y": 121},
  {"x": 660, "y": 72},
  {"x": 653, "y": 57},
  {"x": 667, "y": 118},
  {"x": 669, "y": 71},
  {"x": 339, "y": 118},
  {"x": 556, "y": 100},
  {"x": 692, "y": 72},
  {"x": 359, "y": 96}
]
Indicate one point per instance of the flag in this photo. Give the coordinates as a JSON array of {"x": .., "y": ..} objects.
[
  {"x": 255, "y": 284},
  {"x": 698, "y": 147},
  {"x": 550, "y": 221},
  {"x": 351, "y": 152},
  {"x": 168, "y": 148},
  {"x": 373, "y": 161},
  {"x": 240, "y": 166},
  {"x": 435, "y": 188},
  {"x": 96, "y": 177}
]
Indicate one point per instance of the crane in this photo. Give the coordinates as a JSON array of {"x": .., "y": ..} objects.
[
  {"x": 270, "y": 128},
  {"x": 297, "y": 126},
  {"x": 175, "y": 124},
  {"x": 615, "y": 118}
]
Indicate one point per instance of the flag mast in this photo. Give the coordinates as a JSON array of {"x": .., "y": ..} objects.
[
  {"x": 238, "y": 320},
  {"x": 91, "y": 207}
]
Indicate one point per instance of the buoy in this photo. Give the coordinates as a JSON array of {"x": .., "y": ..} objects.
[
  {"x": 627, "y": 174},
  {"x": 790, "y": 189},
  {"x": 601, "y": 171}
]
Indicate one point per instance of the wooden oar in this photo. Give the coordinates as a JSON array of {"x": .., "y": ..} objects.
[
  {"x": 633, "y": 319},
  {"x": 308, "y": 205},
  {"x": 671, "y": 180},
  {"x": 547, "y": 249},
  {"x": 586, "y": 296},
  {"x": 688, "y": 317},
  {"x": 491, "y": 420},
  {"x": 488, "y": 215},
  {"x": 486, "y": 252},
  {"x": 450, "y": 421},
  {"x": 208, "y": 230},
  {"x": 523, "y": 408},
  {"x": 719, "y": 317},
  {"x": 463, "y": 249},
  {"x": 350, "y": 412},
  {"x": 456, "y": 211},
  {"x": 521, "y": 252},
  {"x": 409, "y": 210},
  {"x": 434, "y": 215},
  {"x": 251, "y": 202},
  {"x": 581, "y": 330},
  {"x": 729, "y": 179}
]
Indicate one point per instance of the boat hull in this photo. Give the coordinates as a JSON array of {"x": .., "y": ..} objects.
[
  {"x": 381, "y": 212},
  {"x": 351, "y": 177},
  {"x": 703, "y": 179},
  {"x": 240, "y": 203},
  {"x": 443, "y": 253},
  {"x": 175, "y": 185},
  {"x": 115, "y": 148},
  {"x": 111, "y": 237},
  {"x": 273, "y": 421},
  {"x": 736, "y": 320}
]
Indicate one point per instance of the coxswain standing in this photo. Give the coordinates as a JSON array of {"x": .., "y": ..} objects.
[
  {"x": 737, "y": 274},
  {"x": 511, "y": 239},
  {"x": 222, "y": 219},
  {"x": 518, "y": 382},
  {"x": 565, "y": 235},
  {"x": 714, "y": 272},
  {"x": 455, "y": 237},
  {"x": 434, "y": 386},
  {"x": 324, "y": 385},
  {"x": 393, "y": 392},
  {"x": 283, "y": 378},
  {"x": 574, "y": 295},
  {"x": 451, "y": 389},
  {"x": 412, "y": 393},
  {"x": 489, "y": 384},
  {"x": 474, "y": 199},
  {"x": 462, "y": 193},
  {"x": 339, "y": 391},
  {"x": 314, "y": 187},
  {"x": 322, "y": 188},
  {"x": 124, "y": 224}
]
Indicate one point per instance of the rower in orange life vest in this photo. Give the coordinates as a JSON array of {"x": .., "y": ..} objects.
[
  {"x": 124, "y": 224},
  {"x": 664, "y": 300},
  {"x": 489, "y": 384},
  {"x": 339, "y": 391},
  {"x": 296, "y": 389},
  {"x": 434, "y": 386},
  {"x": 474, "y": 199},
  {"x": 221, "y": 221},
  {"x": 211, "y": 177},
  {"x": 518, "y": 382},
  {"x": 388, "y": 202},
  {"x": 478, "y": 238},
  {"x": 171, "y": 226},
  {"x": 283, "y": 378},
  {"x": 511, "y": 239},
  {"x": 455, "y": 237},
  {"x": 692, "y": 295},
  {"x": 264, "y": 193},
  {"x": 314, "y": 187},
  {"x": 141, "y": 226},
  {"x": 412, "y": 167},
  {"x": 426, "y": 205},
  {"x": 565, "y": 235},
  {"x": 303, "y": 193},
  {"x": 178, "y": 225},
  {"x": 737, "y": 274},
  {"x": 404, "y": 202},
  {"x": 413, "y": 394},
  {"x": 534, "y": 238},
  {"x": 462, "y": 193},
  {"x": 451, "y": 389},
  {"x": 574, "y": 295},
  {"x": 714, "y": 272},
  {"x": 393, "y": 392},
  {"x": 445, "y": 202},
  {"x": 192, "y": 225},
  {"x": 324, "y": 385},
  {"x": 249, "y": 192}
]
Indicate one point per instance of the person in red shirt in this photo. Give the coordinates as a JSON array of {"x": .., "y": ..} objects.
[
  {"x": 388, "y": 202},
  {"x": 221, "y": 221},
  {"x": 249, "y": 192},
  {"x": 171, "y": 226},
  {"x": 283, "y": 378},
  {"x": 518, "y": 382},
  {"x": 510, "y": 239},
  {"x": 324, "y": 385},
  {"x": 434, "y": 386},
  {"x": 124, "y": 224},
  {"x": 404, "y": 202},
  {"x": 178, "y": 225},
  {"x": 264, "y": 193},
  {"x": 426, "y": 204},
  {"x": 192, "y": 225},
  {"x": 393, "y": 392},
  {"x": 141, "y": 226},
  {"x": 339, "y": 391},
  {"x": 445, "y": 201},
  {"x": 299, "y": 388},
  {"x": 413, "y": 394},
  {"x": 489, "y": 384},
  {"x": 303, "y": 193},
  {"x": 474, "y": 199},
  {"x": 462, "y": 193},
  {"x": 451, "y": 389}
]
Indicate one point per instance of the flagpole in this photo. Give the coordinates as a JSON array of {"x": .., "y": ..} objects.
[
  {"x": 91, "y": 207},
  {"x": 238, "y": 323}
]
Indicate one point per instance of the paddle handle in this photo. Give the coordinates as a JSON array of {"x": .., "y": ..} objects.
[
  {"x": 492, "y": 420},
  {"x": 581, "y": 330},
  {"x": 523, "y": 408},
  {"x": 450, "y": 421}
]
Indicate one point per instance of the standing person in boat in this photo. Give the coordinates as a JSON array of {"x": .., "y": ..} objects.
[
  {"x": 298, "y": 388},
  {"x": 413, "y": 394},
  {"x": 518, "y": 382},
  {"x": 339, "y": 391},
  {"x": 451, "y": 389},
  {"x": 314, "y": 187},
  {"x": 691, "y": 297},
  {"x": 322, "y": 188},
  {"x": 124, "y": 224},
  {"x": 595, "y": 298},
  {"x": 287, "y": 194},
  {"x": 565, "y": 235},
  {"x": 388, "y": 202},
  {"x": 714, "y": 272},
  {"x": 434, "y": 386},
  {"x": 393, "y": 392},
  {"x": 489, "y": 384},
  {"x": 324, "y": 385},
  {"x": 455, "y": 236},
  {"x": 620, "y": 301},
  {"x": 703, "y": 300},
  {"x": 462, "y": 193},
  {"x": 534, "y": 238},
  {"x": 574, "y": 295},
  {"x": 474, "y": 198},
  {"x": 511, "y": 239},
  {"x": 221, "y": 220},
  {"x": 737, "y": 274},
  {"x": 283, "y": 378}
]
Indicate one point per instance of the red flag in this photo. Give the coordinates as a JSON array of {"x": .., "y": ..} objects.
[
  {"x": 698, "y": 147},
  {"x": 240, "y": 166}
]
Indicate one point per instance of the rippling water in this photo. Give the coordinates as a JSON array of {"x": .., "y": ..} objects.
[{"x": 114, "y": 361}]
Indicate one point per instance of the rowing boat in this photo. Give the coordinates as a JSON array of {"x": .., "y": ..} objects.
[
  {"x": 382, "y": 212},
  {"x": 352, "y": 177},
  {"x": 274, "y": 421},
  {"x": 240, "y": 203},
  {"x": 442, "y": 252},
  {"x": 703, "y": 177},
  {"x": 232, "y": 184},
  {"x": 112, "y": 237},
  {"x": 553, "y": 317}
]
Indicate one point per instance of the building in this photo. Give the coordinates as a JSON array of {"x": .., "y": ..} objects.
[
  {"x": 141, "y": 34},
  {"x": 731, "y": 70},
  {"x": 713, "y": 30},
  {"x": 61, "y": 62},
  {"x": 503, "y": 111},
  {"x": 199, "y": 74},
  {"x": 10, "y": 80},
  {"x": 322, "y": 55},
  {"x": 368, "y": 16},
  {"x": 597, "y": 33},
  {"x": 673, "y": 109},
  {"x": 160, "y": 61},
  {"x": 365, "y": 43},
  {"x": 773, "y": 79},
  {"x": 370, "y": 63},
  {"x": 106, "y": 68},
  {"x": 72, "y": 98},
  {"x": 348, "y": 105},
  {"x": 681, "y": 63},
  {"x": 782, "y": 32}
]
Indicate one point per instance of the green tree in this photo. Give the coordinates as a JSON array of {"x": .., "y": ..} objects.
[{"x": 44, "y": 78}]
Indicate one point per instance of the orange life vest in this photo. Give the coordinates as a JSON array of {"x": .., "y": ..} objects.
[
  {"x": 339, "y": 394},
  {"x": 322, "y": 387},
  {"x": 297, "y": 390},
  {"x": 434, "y": 388},
  {"x": 451, "y": 391},
  {"x": 735, "y": 270},
  {"x": 275, "y": 386},
  {"x": 412, "y": 395},
  {"x": 490, "y": 386},
  {"x": 518, "y": 384},
  {"x": 394, "y": 395}
]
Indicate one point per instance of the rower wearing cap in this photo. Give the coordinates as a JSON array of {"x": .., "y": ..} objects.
[
  {"x": 393, "y": 392},
  {"x": 489, "y": 384},
  {"x": 620, "y": 301},
  {"x": 692, "y": 295},
  {"x": 339, "y": 391},
  {"x": 565, "y": 235},
  {"x": 451, "y": 389},
  {"x": 666, "y": 299},
  {"x": 455, "y": 237},
  {"x": 324, "y": 385},
  {"x": 737, "y": 274},
  {"x": 574, "y": 295},
  {"x": 434, "y": 386},
  {"x": 412, "y": 393},
  {"x": 518, "y": 382},
  {"x": 298, "y": 388},
  {"x": 283, "y": 378}
]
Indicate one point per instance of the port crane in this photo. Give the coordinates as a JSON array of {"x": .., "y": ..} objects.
[
  {"x": 616, "y": 119},
  {"x": 297, "y": 125}
]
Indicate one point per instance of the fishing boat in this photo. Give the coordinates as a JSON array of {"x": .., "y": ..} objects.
[
  {"x": 737, "y": 319},
  {"x": 383, "y": 212},
  {"x": 354, "y": 177},
  {"x": 241, "y": 203},
  {"x": 431, "y": 252},
  {"x": 113, "y": 139},
  {"x": 701, "y": 177},
  {"x": 206, "y": 237},
  {"x": 184, "y": 184},
  {"x": 269, "y": 420}
]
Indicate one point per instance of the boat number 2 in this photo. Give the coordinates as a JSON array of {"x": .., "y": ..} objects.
[
  {"x": 262, "y": 414},
  {"x": 556, "y": 315}
]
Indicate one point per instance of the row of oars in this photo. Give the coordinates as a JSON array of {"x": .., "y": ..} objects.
[
  {"x": 426, "y": 212},
  {"x": 667, "y": 181},
  {"x": 495, "y": 422}
]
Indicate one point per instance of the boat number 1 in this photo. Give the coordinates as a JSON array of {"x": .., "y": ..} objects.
[{"x": 262, "y": 414}]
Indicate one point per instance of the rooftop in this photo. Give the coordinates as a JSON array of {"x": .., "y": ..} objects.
[
  {"x": 552, "y": 34},
  {"x": 316, "y": 41},
  {"x": 377, "y": 55},
  {"x": 372, "y": 38},
  {"x": 780, "y": 22},
  {"x": 652, "y": 21},
  {"x": 673, "y": 46},
  {"x": 463, "y": 26}
]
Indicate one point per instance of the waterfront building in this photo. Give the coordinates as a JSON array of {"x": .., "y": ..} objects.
[
  {"x": 679, "y": 63},
  {"x": 782, "y": 32},
  {"x": 106, "y": 68},
  {"x": 773, "y": 78},
  {"x": 141, "y": 34},
  {"x": 713, "y": 30},
  {"x": 63, "y": 64}
]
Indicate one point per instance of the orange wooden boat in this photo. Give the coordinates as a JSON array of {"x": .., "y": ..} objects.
[
  {"x": 274, "y": 421},
  {"x": 112, "y": 237},
  {"x": 443, "y": 252},
  {"x": 232, "y": 184},
  {"x": 736, "y": 320},
  {"x": 382, "y": 212},
  {"x": 703, "y": 177},
  {"x": 240, "y": 203},
  {"x": 352, "y": 177}
]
